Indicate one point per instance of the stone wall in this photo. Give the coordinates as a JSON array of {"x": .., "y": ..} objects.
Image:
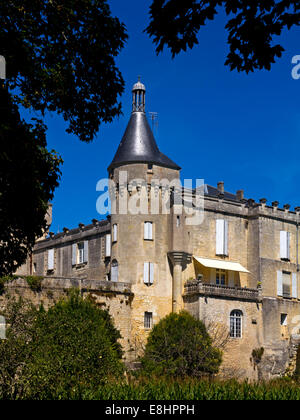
[{"x": 115, "y": 297}]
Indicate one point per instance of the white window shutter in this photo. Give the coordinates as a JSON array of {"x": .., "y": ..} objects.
[
  {"x": 145, "y": 230},
  {"x": 284, "y": 244},
  {"x": 114, "y": 272},
  {"x": 115, "y": 233},
  {"x": 150, "y": 230},
  {"x": 107, "y": 245},
  {"x": 288, "y": 241},
  {"x": 225, "y": 237},
  {"x": 279, "y": 284},
  {"x": 74, "y": 254},
  {"x": 51, "y": 259},
  {"x": 146, "y": 273},
  {"x": 151, "y": 276},
  {"x": 220, "y": 227},
  {"x": 294, "y": 286},
  {"x": 222, "y": 237},
  {"x": 86, "y": 251}
]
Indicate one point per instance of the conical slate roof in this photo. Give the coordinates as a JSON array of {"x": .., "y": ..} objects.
[{"x": 138, "y": 145}]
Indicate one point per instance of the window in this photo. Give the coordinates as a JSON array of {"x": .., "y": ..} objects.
[
  {"x": 221, "y": 237},
  {"x": 50, "y": 259},
  {"x": 114, "y": 271},
  {"x": 148, "y": 273},
  {"x": 148, "y": 320},
  {"x": 286, "y": 284},
  {"x": 80, "y": 259},
  {"x": 34, "y": 267},
  {"x": 178, "y": 221},
  {"x": 115, "y": 233},
  {"x": 283, "y": 319},
  {"x": 148, "y": 231},
  {"x": 221, "y": 277},
  {"x": 107, "y": 245},
  {"x": 285, "y": 239},
  {"x": 236, "y": 324},
  {"x": 80, "y": 253}
]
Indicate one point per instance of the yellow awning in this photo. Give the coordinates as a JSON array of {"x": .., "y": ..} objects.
[{"x": 222, "y": 265}]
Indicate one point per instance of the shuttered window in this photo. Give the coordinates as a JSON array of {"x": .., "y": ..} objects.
[
  {"x": 148, "y": 230},
  {"x": 114, "y": 271},
  {"x": 107, "y": 245},
  {"x": 221, "y": 237},
  {"x": 80, "y": 253},
  {"x": 285, "y": 238},
  {"x": 115, "y": 233},
  {"x": 51, "y": 259},
  {"x": 148, "y": 273}
]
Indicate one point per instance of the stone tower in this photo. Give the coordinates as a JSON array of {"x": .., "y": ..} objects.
[{"x": 141, "y": 232}]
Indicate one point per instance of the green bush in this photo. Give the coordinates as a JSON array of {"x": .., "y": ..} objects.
[
  {"x": 71, "y": 347},
  {"x": 179, "y": 345},
  {"x": 34, "y": 282}
]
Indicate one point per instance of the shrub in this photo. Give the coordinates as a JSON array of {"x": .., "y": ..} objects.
[
  {"x": 71, "y": 347},
  {"x": 34, "y": 282},
  {"x": 179, "y": 345}
]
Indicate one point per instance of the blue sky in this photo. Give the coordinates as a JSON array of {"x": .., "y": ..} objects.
[{"x": 216, "y": 124}]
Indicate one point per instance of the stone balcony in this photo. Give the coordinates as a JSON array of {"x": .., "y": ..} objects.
[{"x": 196, "y": 287}]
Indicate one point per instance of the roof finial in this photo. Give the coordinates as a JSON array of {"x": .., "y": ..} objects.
[{"x": 138, "y": 96}]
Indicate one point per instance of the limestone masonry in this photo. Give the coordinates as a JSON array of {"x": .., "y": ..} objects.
[{"x": 238, "y": 270}]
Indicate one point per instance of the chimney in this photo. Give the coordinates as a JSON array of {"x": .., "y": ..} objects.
[
  {"x": 221, "y": 187},
  {"x": 240, "y": 195}
]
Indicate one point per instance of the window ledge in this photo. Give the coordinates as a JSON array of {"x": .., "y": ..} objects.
[{"x": 78, "y": 266}]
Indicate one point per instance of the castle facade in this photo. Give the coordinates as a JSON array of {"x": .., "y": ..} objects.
[{"x": 236, "y": 268}]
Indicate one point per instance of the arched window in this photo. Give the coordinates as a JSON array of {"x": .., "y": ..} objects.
[
  {"x": 236, "y": 324},
  {"x": 114, "y": 271}
]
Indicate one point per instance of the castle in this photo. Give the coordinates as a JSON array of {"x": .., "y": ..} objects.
[{"x": 237, "y": 269}]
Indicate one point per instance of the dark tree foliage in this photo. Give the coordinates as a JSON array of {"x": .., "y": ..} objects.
[
  {"x": 252, "y": 27},
  {"x": 60, "y": 353},
  {"x": 180, "y": 346},
  {"x": 28, "y": 177},
  {"x": 60, "y": 55}
]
